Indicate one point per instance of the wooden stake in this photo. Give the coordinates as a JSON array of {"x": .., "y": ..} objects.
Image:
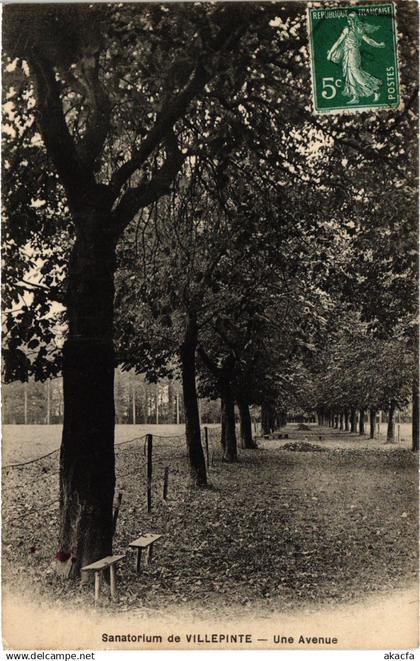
[
  {"x": 149, "y": 554},
  {"x": 138, "y": 560},
  {"x": 113, "y": 583},
  {"x": 98, "y": 581},
  {"x": 206, "y": 441},
  {"x": 116, "y": 512},
  {"x": 165, "y": 482},
  {"x": 149, "y": 441}
]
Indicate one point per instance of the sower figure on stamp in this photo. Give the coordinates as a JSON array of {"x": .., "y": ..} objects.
[{"x": 358, "y": 83}]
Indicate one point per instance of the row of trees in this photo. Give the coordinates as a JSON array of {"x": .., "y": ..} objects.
[
  {"x": 364, "y": 374},
  {"x": 136, "y": 402},
  {"x": 168, "y": 189}
]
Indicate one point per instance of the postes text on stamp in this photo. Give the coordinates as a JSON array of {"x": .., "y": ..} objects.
[{"x": 354, "y": 57}]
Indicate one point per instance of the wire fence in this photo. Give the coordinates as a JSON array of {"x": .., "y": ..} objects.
[
  {"x": 31, "y": 487},
  {"x": 152, "y": 475}
]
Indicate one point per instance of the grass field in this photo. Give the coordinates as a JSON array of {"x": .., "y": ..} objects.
[
  {"x": 281, "y": 529},
  {"x": 23, "y": 442}
]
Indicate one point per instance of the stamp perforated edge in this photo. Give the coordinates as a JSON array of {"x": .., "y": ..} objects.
[{"x": 361, "y": 109}]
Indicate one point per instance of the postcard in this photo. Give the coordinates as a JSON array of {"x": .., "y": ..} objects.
[{"x": 210, "y": 326}]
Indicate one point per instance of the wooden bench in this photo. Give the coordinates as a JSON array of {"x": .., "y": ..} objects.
[
  {"x": 144, "y": 542},
  {"x": 99, "y": 567}
]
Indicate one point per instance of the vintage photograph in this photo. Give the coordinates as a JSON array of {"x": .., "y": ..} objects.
[{"x": 210, "y": 401}]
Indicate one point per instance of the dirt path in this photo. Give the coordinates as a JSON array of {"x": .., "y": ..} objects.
[{"x": 277, "y": 531}]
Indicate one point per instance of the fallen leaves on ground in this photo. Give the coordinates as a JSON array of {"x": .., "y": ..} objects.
[{"x": 278, "y": 530}]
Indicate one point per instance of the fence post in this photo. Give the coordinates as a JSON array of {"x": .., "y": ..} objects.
[
  {"x": 206, "y": 441},
  {"x": 116, "y": 512},
  {"x": 149, "y": 442},
  {"x": 165, "y": 483}
]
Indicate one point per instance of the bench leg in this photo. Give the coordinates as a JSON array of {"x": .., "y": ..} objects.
[
  {"x": 149, "y": 554},
  {"x": 113, "y": 582},
  {"x": 138, "y": 560},
  {"x": 98, "y": 581}
]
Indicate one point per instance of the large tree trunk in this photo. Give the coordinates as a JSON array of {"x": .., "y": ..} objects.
[
  {"x": 230, "y": 452},
  {"x": 361, "y": 422},
  {"x": 246, "y": 440},
  {"x": 415, "y": 418},
  {"x": 390, "y": 434},
  {"x": 87, "y": 465},
  {"x": 372, "y": 422},
  {"x": 192, "y": 420}
]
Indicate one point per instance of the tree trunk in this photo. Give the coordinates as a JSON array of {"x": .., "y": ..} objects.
[
  {"x": 265, "y": 418},
  {"x": 246, "y": 440},
  {"x": 372, "y": 422},
  {"x": 346, "y": 420},
  {"x": 222, "y": 422},
  {"x": 415, "y": 415},
  {"x": 25, "y": 403},
  {"x": 48, "y": 416},
  {"x": 170, "y": 418},
  {"x": 133, "y": 401},
  {"x": 177, "y": 407},
  {"x": 390, "y": 436},
  {"x": 157, "y": 403},
  {"x": 353, "y": 421},
  {"x": 361, "y": 422},
  {"x": 192, "y": 422},
  {"x": 230, "y": 452},
  {"x": 341, "y": 422},
  {"x": 87, "y": 463},
  {"x": 146, "y": 404}
]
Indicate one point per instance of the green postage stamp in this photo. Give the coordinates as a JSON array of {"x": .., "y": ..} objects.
[{"x": 354, "y": 57}]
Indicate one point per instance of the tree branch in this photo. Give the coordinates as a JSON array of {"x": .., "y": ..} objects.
[
  {"x": 174, "y": 108},
  {"x": 56, "y": 136},
  {"x": 53, "y": 294},
  {"x": 208, "y": 362},
  {"x": 100, "y": 111},
  {"x": 141, "y": 196}
]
